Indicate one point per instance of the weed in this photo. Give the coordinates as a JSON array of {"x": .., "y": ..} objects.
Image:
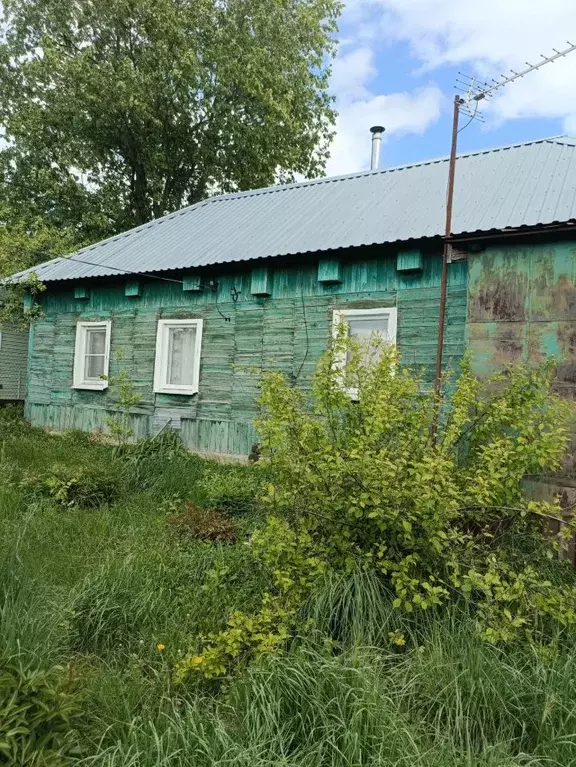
[
  {"x": 84, "y": 486},
  {"x": 203, "y": 524},
  {"x": 38, "y": 711},
  {"x": 233, "y": 489}
]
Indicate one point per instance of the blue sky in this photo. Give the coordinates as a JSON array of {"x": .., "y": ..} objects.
[{"x": 398, "y": 61}]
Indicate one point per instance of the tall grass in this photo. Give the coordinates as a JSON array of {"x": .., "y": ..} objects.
[{"x": 98, "y": 590}]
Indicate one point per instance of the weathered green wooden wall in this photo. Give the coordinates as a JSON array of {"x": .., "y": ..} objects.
[
  {"x": 522, "y": 308},
  {"x": 287, "y": 330},
  {"x": 13, "y": 362}
]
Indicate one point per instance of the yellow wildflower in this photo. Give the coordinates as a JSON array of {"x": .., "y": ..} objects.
[
  {"x": 160, "y": 647},
  {"x": 397, "y": 638},
  {"x": 197, "y": 660}
]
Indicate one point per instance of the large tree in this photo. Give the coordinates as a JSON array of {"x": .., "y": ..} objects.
[{"x": 117, "y": 111}]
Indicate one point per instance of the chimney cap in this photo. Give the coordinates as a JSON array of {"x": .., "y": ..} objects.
[{"x": 377, "y": 129}]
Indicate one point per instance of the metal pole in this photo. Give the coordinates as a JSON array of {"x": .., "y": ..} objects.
[
  {"x": 376, "y": 131},
  {"x": 447, "y": 251}
]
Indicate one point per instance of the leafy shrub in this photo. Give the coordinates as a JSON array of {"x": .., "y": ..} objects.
[
  {"x": 79, "y": 486},
  {"x": 123, "y": 393},
  {"x": 233, "y": 489},
  {"x": 203, "y": 524},
  {"x": 366, "y": 483},
  {"x": 38, "y": 711}
]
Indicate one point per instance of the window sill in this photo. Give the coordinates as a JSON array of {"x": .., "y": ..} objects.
[
  {"x": 96, "y": 386},
  {"x": 184, "y": 390}
]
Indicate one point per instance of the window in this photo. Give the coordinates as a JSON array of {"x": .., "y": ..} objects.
[
  {"x": 362, "y": 323},
  {"x": 178, "y": 345},
  {"x": 91, "y": 355}
]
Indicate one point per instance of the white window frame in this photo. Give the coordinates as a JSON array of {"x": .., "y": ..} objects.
[
  {"x": 161, "y": 385},
  {"x": 342, "y": 315},
  {"x": 79, "y": 381}
]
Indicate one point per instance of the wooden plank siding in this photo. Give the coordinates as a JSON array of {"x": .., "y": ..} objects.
[
  {"x": 287, "y": 331},
  {"x": 13, "y": 362}
]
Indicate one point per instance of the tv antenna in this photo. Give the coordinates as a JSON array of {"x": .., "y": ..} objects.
[{"x": 473, "y": 92}]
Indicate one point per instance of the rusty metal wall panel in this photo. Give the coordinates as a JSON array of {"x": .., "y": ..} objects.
[{"x": 522, "y": 308}]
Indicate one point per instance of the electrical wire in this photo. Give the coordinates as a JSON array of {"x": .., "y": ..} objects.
[
  {"x": 130, "y": 272},
  {"x": 139, "y": 274},
  {"x": 101, "y": 266},
  {"x": 307, "y": 339},
  {"x": 124, "y": 271},
  {"x": 226, "y": 319},
  {"x": 471, "y": 118}
]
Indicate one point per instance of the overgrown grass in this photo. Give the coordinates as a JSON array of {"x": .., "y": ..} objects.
[{"x": 97, "y": 591}]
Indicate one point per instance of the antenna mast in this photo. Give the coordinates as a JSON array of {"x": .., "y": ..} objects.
[{"x": 474, "y": 92}]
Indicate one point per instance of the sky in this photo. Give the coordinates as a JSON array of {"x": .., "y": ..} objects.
[{"x": 398, "y": 62}]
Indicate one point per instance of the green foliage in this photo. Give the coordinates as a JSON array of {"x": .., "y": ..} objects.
[
  {"x": 360, "y": 482},
  {"x": 125, "y": 396},
  {"x": 233, "y": 489},
  {"x": 86, "y": 487},
  {"x": 165, "y": 446},
  {"x": 112, "y": 605},
  {"x": 115, "y": 113},
  {"x": 160, "y": 463},
  {"x": 294, "y": 566},
  {"x": 99, "y": 591},
  {"x": 38, "y": 711},
  {"x": 17, "y": 301},
  {"x": 26, "y": 240}
]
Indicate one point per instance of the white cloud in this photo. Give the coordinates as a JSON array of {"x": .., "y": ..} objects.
[
  {"x": 401, "y": 113},
  {"x": 485, "y": 39},
  {"x": 359, "y": 107},
  {"x": 351, "y": 72},
  {"x": 489, "y": 39}
]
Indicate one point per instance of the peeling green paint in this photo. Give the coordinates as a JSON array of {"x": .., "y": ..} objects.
[
  {"x": 329, "y": 271},
  {"x": 409, "y": 261},
  {"x": 287, "y": 331},
  {"x": 522, "y": 306}
]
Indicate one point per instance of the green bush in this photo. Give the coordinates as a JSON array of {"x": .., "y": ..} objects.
[
  {"x": 38, "y": 712},
  {"x": 78, "y": 486},
  {"x": 167, "y": 446},
  {"x": 425, "y": 493}
]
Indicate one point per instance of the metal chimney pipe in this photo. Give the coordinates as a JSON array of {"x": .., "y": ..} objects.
[{"x": 376, "y": 131}]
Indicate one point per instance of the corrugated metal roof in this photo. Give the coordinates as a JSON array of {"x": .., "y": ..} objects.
[{"x": 527, "y": 184}]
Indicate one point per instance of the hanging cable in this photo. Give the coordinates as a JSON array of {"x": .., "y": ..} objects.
[
  {"x": 115, "y": 268},
  {"x": 472, "y": 117},
  {"x": 307, "y": 339}
]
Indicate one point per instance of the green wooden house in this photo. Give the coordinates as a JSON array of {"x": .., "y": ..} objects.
[
  {"x": 13, "y": 363},
  {"x": 196, "y": 304}
]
